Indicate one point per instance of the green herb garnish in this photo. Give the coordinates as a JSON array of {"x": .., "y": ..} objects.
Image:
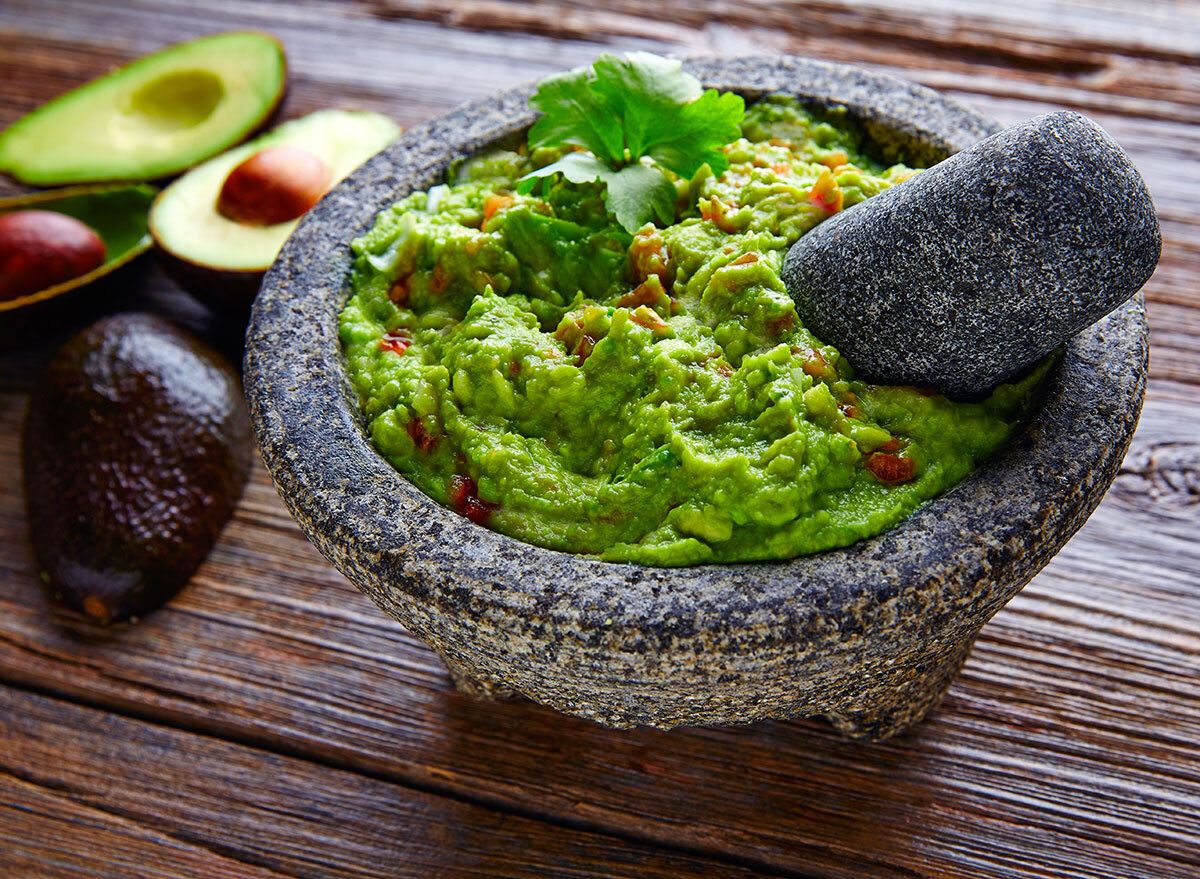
[{"x": 635, "y": 116}]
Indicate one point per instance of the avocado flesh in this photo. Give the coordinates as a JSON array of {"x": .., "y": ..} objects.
[
  {"x": 152, "y": 118},
  {"x": 117, "y": 213},
  {"x": 185, "y": 221}
]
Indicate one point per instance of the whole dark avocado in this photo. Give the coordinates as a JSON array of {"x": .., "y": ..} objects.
[{"x": 136, "y": 449}]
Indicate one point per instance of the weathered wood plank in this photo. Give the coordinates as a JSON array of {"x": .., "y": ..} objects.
[
  {"x": 86, "y": 793},
  {"x": 45, "y": 834},
  {"x": 1070, "y": 747}
]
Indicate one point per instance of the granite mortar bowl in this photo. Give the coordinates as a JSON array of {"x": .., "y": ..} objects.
[{"x": 870, "y": 635}]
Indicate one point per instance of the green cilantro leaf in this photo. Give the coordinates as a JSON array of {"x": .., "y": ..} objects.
[
  {"x": 665, "y": 114},
  {"x": 638, "y": 192},
  {"x": 625, "y": 110},
  {"x": 633, "y": 194},
  {"x": 575, "y": 116},
  {"x": 576, "y": 167}
]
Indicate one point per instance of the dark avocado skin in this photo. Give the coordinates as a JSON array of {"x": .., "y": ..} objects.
[{"x": 136, "y": 448}]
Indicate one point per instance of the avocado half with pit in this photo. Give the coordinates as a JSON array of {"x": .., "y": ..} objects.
[
  {"x": 113, "y": 216},
  {"x": 220, "y": 226},
  {"x": 152, "y": 118}
]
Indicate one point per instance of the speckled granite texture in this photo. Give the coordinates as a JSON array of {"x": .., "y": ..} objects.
[
  {"x": 870, "y": 635},
  {"x": 962, "y": 277}
]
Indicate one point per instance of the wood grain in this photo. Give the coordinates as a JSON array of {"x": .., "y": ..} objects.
[
  {"x": 174, "y": 803},
  {"x": 1069, "y": 748},
  {"x": 48, "y": 835}
]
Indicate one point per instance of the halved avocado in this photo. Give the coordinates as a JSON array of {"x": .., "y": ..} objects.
[
  {"x": 223, "y": 260},
  {"x": 152, "y": 118},
  {"x": 118, "y": 214}
]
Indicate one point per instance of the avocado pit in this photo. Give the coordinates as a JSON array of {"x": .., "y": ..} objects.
[
  {"x": 273, "y": 186},
  {"x": 219, "y": 227},
  {"x": 39, "y": 249}
]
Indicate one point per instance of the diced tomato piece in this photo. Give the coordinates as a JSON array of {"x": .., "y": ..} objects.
[
  {"x": 834, "y": 160},
  {"x": 648, "y": 255},
  {"x": 815, "y": 364},
  {"x": 396, "y": 341},
  {"x": 478, "y": 511},
  {"x": 779, "y": 325},
  {"x": 892, "y": 445},
  {"x": 420, "y": 436},
  {"x": 464, "y": 497},
  {"x": 461, "y": 487},
  {"x": 440, "y": 279},
  {"x": 891, "y": 469},
  {"x": 745, "y": 259},
  {"x": 644, "y": 317},
  {"x": 399, "y": 291},
  {"x": 717, "y": 211},
  {"x": 584, "y": 350},
  {"x": 642, "y": 294},
  {"x": 492, "y": 204},
  {"x": 826, "y": 194}
]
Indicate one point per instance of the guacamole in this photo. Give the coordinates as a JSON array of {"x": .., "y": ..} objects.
[{"x": 646, "y": 397}]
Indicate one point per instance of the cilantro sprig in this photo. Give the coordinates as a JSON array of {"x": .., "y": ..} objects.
[{"x": 634, "y": 116}]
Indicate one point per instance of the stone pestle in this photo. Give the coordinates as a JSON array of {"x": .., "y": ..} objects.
[{"x": 966, "y": 274}]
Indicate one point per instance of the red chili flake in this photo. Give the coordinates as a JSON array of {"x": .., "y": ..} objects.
[
  {"x": 745, "y": 259},
  {"x": 464, "y": 497},
  {"x": 724, "y": 368},
  {"x": 891, "y": 469},
  {"x": 420, "y": 436},
  {"x": 492, "y": 204},
  {"x": 399, "y": 291},
  {"x": 514, "y": 368},
  {"x": 396, "y": 341},
  {"x": 781, "y": 168}
]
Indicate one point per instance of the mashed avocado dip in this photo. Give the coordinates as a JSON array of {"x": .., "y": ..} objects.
[{"x": 650, "y": 397}]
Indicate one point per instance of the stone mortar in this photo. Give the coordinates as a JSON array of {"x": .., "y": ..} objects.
[{"x": 870, "y": 635}]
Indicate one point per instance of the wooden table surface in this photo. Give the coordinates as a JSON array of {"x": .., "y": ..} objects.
[{"x": 271, "y": 722}]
